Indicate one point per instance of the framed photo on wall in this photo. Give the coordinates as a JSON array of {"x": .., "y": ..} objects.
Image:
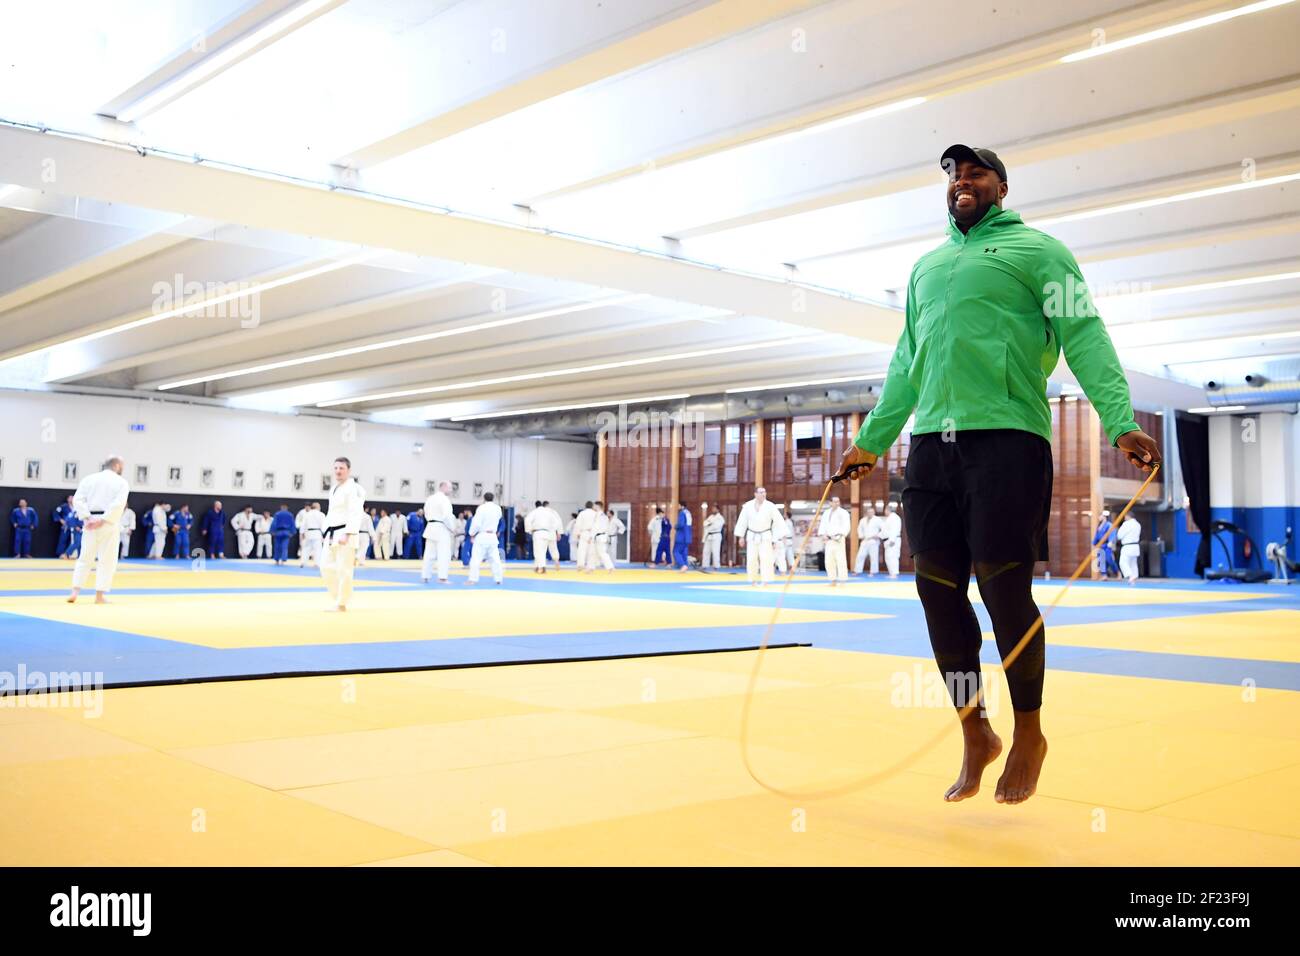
[
  {"x": 478, "y": 489},
  {"x": 207, "y": 477},
  {"x": 404, "y": 488},
  {"x": 142, "y": 474},
  {"x": 455, "y": 488},
  {"x": 326, "y": 483},
  {"x": 174, "y": 476},
  {"x": 381, "y": 485},
  {"x": 33, "y": 469},
  {"x": 69, "y": 471},
  {"x": 268, "y": 481},
  {"x": 297, "y": 481},
  {"x": 2, "y": 468},
  {"x": 237, "y": 478},
  {"x": 430, "y": 487}
]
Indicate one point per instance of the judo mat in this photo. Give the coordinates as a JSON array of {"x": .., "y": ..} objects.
[{"x": 1172, "y": 711}]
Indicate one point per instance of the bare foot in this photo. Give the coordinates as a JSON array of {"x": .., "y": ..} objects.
[
  {"x": 1019, "y": 778},
  {"x": 981, "y": 746},
  {"x": 72, "y": 598},
  {"x": 100, "y": 599}
]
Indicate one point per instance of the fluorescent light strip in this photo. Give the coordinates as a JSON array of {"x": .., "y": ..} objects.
[
  {"x": 220, "y": 60},
  {"x": 846, "y": 120},
  {"x": 1163, "y": 200},
  {"x": 578, "y": 370},
  {"x": 1217, "y": 408},
  {"x": 1201, "y": 287},
  {"x": 645, "y": 400},
  {"x": 1174, "y": 30},
  {"x": 823, "y": 381},
  {"x": 1223, "y": 340},
  {"x": 215, "y": 300},
  {"x": 397, "y": 343}
]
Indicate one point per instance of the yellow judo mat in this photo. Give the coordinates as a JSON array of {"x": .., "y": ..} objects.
[
  {"x": 636, "y": 762},
  {"x": 1044, "y": 593},
  {"x": 435, "y": 613}
]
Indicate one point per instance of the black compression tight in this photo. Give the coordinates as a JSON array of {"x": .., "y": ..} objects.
[{"x": 942, "y": 577}]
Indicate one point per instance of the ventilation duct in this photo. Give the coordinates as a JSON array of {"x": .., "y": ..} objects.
[
  {"x": 708, "y": 409},
  {"x": 1263, "y": 393}
]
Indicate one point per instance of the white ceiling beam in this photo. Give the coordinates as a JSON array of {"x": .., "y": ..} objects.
[
  {"x": 115, "y": 174},
  {"x": 216, "y": 41},
  {"x": 638, "y": 34}
]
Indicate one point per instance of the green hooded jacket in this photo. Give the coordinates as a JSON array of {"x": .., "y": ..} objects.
[{"x": 988, "y": 314}]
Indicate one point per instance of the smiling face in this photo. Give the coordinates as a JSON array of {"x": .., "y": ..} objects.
[{"x": 972, "y": 189}]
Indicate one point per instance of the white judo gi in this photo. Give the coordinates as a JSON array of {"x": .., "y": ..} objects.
[
  {"x": 892, "y": 533},
  {"x": 242, "y": 525},
  {"x": 713, "y": 529},
  {"x": 544, "y": 525},
  {"x": 313, "y": 537},
  {"x": 834, "y": 527},
  {"x": 124, "y": 529},
  {"x": 103, "y": 496},
  {"x": 1128, "y": 536},
  {"x": 757, "y": 526},
  {"x": 869, "y": 530},
  {"x": 262, "y": 528},
  {"x": 438, "y": 534},
  {"x": 159, "y": 531},
  {"x": 584, "y": 531},
  {"x": 483, "y": 529},
  {"x": 343, "y": 522}
]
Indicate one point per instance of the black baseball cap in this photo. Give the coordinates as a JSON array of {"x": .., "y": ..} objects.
[{"x": 978, "y": 155}]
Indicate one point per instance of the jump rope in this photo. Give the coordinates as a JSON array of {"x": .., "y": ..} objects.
[{"x": 879, "y": 776}]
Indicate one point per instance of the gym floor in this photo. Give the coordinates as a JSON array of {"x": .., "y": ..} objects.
[{"x": 1172, "y": 709}]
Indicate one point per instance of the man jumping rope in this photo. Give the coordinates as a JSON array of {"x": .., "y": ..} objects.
[{"x": 988, "y": 314}]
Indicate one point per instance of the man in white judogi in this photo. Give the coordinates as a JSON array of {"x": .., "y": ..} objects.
[
  {"x": 438, "y": 534},
  {"x": 584, "y": 531},
  {"x": 544, "y": 525},
  {"x": 713, "y": 526},
  {"x": 782, "y": 548},
  {"x": 757, "y": 526},
  {"x": 313, "y": 535},
  {"x": 99, "y": 501},
  {"x": 1128, "y": 536},
  {"x": 242, "y": 524},
  {"x": 616, "y": 528},
  {"x": 124, "y": 528},
  {"x": 598, "y": 551},
  {"x": 869, "y": 530},
  {"x": 383, "y": 536},
  {"x": 298, "y": 520},
  {"x": 347, "y": 508},
  {"x": 159, "y": 542},
  {"x": 892, "y": 533},
  {"x": 400, "y": 532},
  {"x": 483, "y": 529},
  {"x": 557, "y": 523},
  {"x": 365, "y": 534},
  {"x": 262, "y": 528},
  {"x": 834, "y": 529}
]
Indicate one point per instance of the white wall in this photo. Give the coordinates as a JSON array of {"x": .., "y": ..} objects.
[
  {"x": 1255, "y": 460},
  {"x": 56, "y": 428}
]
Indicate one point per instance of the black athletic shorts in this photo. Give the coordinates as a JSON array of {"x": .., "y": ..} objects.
[{"x": 989, "y": 489}]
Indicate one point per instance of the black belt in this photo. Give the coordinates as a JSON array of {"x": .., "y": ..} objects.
[
  {"x": 329, "y": 532},
  {"x": 93, "y": 513}
]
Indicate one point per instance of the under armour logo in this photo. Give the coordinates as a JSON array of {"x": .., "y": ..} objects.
[{"x": 987, "y": 249}]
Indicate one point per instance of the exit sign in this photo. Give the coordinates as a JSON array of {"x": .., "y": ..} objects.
[{"x": 135, "y": 427}]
